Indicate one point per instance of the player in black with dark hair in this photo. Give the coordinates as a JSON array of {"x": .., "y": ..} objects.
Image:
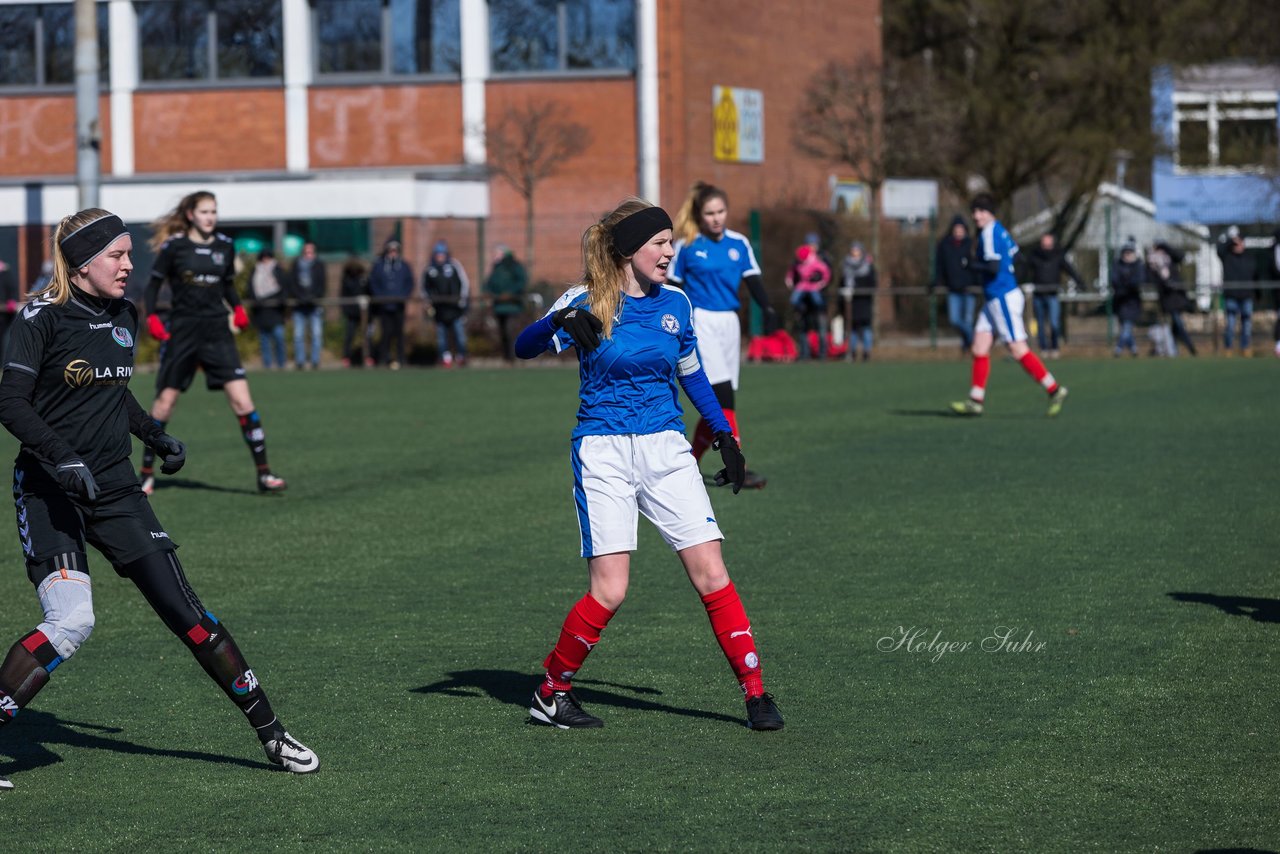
[
  {"x": 64, "y": 394},
  {"x": 197, "y": 262}
]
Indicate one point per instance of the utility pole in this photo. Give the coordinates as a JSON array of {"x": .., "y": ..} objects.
[{"x": 88, "y": 125}]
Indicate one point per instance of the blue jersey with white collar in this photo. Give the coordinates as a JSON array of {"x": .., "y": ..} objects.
[
  {"x": 629, "y": 383},
  {"x": 995, "y": 244},
  {"x": 710, "y": 271}
]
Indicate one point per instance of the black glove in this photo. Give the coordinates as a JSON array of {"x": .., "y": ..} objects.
[
  {"x": 169, "y": 449},
  {"x": 735, "y": 465},
  {"x": 74, "y": 476},
  {"x": 583, "y": 327}
]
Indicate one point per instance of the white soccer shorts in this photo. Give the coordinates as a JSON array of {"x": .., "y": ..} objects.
[
  {"x": 617, "y": 477},
  {"x": 1004, "y": 313},
  {"x": 719, "y": 345}
]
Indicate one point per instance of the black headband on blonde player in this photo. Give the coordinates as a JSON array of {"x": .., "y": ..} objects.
[{"x": 90, "y": 240}]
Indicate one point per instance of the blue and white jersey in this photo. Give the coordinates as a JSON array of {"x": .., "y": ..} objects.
[
  {"x": 995, "y": 244},
  {"x": 710, "y": 271},
  {"x": 629, "y": 383}
]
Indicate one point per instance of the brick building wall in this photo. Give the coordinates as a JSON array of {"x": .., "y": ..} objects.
[
  {"x": 217, "y": 130},
  {"x": 38, "y": 138},
  {"x": 403, "y": 126}
]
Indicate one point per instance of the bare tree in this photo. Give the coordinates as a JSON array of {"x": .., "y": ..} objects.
[
  {"x": 530, "y": 142},
  {"x": 841, "y": 120}
]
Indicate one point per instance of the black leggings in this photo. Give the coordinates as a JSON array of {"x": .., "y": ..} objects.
[{"x": 160, "y": 579}]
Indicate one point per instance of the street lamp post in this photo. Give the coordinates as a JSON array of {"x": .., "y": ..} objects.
[{"x": 88, "y": 127}]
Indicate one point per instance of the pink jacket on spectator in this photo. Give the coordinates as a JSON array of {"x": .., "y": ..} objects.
[{"x": 809, "y": 272}]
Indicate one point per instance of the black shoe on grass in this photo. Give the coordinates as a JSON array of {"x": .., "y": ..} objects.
[
  {"x": 561, "y": 710},
  {"x": 762, "y": 713},
  {"x": 754, "y": 480}
]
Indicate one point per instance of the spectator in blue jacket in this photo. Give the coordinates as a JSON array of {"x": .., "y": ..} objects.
[{"x": 390, "y": 285}]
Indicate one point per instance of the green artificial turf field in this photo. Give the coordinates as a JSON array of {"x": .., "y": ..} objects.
[{"x": 397, "y": 602}]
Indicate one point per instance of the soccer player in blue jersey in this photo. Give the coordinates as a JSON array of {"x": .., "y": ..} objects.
[
  {"x": 635, "y": 341},
  {"x": 711, "y": 262},
  {"x": 1002, "y": 313}
]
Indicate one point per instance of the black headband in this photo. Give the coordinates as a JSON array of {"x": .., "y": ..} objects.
[
  {"x": 635, "y": 230},
  {"x": 89, "y": 241}
]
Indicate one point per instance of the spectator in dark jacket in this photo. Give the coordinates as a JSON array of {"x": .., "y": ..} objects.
[
  {"x": 448, "y": 292},
  {"x": 1044, "y": 267},
  {"x": 505, "y": 286},
  {"x": 269, "y": 284},
  {"x": 390, "y": 286},
  {"x": 952, "y": 271},
  {"x": 1127, "y": 277},
  {"x": 354, "y": 291},
  {"x": 1238, "y": 290},
  {"x": 1163, "y": 267},
  {"x": 858, "y": 286},
  {"x": 308, "y": 288}
]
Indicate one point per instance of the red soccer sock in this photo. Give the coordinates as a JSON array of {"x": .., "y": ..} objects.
[
  {"x": 981, "y": 371},
  {"x": 1032, "y": 365},
  {"x": 733, "y": 632},
  {"x": 702, "y": 439},
  {"x": 580, "y": 632}
]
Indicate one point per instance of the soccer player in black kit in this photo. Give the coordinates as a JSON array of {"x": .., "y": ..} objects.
[
  {"x": 197, "y": 262},
  {"x": 64, "y": 394}
]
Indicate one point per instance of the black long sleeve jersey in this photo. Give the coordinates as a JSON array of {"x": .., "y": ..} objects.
[
  {"x": 201, "y": 276},
  {"x": 65, "y": 389}
]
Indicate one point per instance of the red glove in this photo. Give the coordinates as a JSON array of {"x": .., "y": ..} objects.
[
  {"x": 239, "y": 318},
  {"x": 156, "y": 327}
]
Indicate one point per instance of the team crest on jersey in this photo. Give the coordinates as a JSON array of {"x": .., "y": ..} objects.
[
  {"x": 122, "y": 337},
  {"x": 670, "y": 324},
  {"x": 734, "y": 254},
  {"x": 218, "y": 258}
]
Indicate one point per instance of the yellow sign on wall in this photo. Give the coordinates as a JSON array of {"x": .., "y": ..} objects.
[{"x": 737, "y": 117}]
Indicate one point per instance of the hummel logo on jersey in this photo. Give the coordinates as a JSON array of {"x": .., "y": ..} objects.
[
  {"x": 733, "y": 635},
  {"x": 107, "y": 325},
  {"x": 159, "y": 535},
  {"x": 33, "y": 309}
]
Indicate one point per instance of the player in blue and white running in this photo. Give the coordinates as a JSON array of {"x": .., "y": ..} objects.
[
  {"x": 634, "y": 338},
  {"x": 1002, "y": 313},
  {"x": 711, "y": 262}
]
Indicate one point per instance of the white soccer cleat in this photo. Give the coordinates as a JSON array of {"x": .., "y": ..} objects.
[
  {"x": 5, "y": 784},
  {"x": 291, "y": 754}
]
